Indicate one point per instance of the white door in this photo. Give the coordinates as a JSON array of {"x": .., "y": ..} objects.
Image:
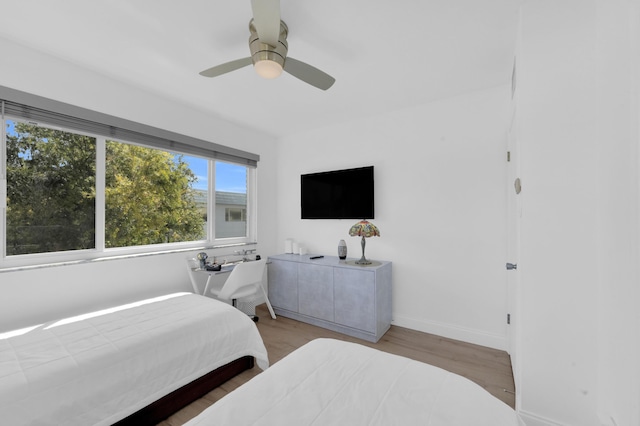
[{"x": 512, "y": 266}]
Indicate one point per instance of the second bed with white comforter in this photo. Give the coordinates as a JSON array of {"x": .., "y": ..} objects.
[{"x": 331, "y": 382}]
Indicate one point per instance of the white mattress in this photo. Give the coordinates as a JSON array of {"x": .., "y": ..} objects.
[
  {"x": 98, "y": 368},
  {"x": 330, "y": 382}
]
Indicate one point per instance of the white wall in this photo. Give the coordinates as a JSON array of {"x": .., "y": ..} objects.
[
  {"x": 440, "y": 206},
  {"x": 618, "y": 68},
  {"x": 33, "y": 296},
  {"x": 578, "y": 117}
]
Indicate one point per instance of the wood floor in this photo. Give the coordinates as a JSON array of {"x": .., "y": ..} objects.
[{"x": 489, "y": 368}]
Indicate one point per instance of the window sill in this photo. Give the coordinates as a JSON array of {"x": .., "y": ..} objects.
[{"x": 106, "y": 257}]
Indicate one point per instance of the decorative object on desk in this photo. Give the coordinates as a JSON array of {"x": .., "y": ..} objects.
[
  {"x": 302, "y": 250},
  {"x": 296, "y": 248},
  {"x": 364, "y": 229},
  {"x": 202, "y": 257},
  {"x": 342, "y": 250},
  {"x": 288, "y": 245}
]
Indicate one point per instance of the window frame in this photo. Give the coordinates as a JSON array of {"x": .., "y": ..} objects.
[
  {"x": 251, "y": 236},
  {"x": 100, "y": 251}
]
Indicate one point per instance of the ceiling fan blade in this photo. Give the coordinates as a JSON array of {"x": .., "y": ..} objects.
[
  {"x": 308, "y": 74},
  {"x": 226, "y": 67},
  {"x": 266, "y": 19}
]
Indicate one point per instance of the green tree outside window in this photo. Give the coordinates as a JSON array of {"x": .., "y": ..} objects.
[
  {"x": 50, "y": 190},
  {"x": 149, "y": 198},
  {"x": 51, "y": 193}
]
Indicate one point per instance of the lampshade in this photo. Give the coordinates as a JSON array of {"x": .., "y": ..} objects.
[
  {"x": 364, "y": 229},
  {"x": 268, "y": 69}
]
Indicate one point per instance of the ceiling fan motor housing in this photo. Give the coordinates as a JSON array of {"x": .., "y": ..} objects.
[{"x": 262, "y": 51}]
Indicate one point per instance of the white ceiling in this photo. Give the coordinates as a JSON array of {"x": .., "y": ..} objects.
[{"x": 384, "y": 55}]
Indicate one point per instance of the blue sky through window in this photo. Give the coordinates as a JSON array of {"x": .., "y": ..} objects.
[
  {"x": 229, "y": 177},
  {"x": 199, "y": 167}
]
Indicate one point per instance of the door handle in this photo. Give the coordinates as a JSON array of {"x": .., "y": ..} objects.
[{"x": 511, "y": 266}]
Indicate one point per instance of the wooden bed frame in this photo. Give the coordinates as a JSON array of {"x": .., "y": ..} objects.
[{"x": 167, "y": 405}]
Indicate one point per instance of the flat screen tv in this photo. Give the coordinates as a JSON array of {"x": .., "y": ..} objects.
[{"x": 338, "y": 194}]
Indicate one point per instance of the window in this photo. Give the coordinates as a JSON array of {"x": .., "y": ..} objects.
[
  {"x": 153, "y": 196},
  {"x": 231, "y": 200},
  {"x": 50, "y": 202},
  {"x": 71, "y": 190}
]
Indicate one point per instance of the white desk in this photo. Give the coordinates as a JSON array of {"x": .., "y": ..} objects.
[{"x": 211, "y": 275}]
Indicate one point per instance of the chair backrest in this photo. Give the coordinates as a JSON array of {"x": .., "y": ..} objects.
[{"x": 244, "y": 280}]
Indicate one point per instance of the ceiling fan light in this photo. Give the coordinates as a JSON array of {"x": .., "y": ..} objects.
[{"x": 268, "y": 69}]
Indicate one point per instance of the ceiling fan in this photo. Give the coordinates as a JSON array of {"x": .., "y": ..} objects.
[{"x": 268, "y": 47}]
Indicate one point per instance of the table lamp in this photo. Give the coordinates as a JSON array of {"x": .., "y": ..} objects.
[{"x": 364, "y": 229}]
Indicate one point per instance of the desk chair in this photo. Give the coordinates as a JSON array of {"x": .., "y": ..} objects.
[{"x": 244, "y": 280}]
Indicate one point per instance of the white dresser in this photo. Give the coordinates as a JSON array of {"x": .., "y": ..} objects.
[{"x": 332, "y": 293}]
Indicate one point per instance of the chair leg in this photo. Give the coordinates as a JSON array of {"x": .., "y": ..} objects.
[{"x": 273, "y": 314}]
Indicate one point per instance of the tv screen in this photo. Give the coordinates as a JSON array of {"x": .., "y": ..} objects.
[{"x": 338, "y": 194}]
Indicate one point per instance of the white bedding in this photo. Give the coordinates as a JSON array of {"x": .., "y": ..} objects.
[
  {"x": 99, "y": 368},
  {"x": 330, "y": 382}
]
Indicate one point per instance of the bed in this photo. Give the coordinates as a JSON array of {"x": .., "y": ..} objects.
[
  {"x": 110, "y": 366},
  {"x": 331, "y": 382}
]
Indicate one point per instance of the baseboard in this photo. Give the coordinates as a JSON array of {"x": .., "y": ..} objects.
[
  {"x": 531, "y": 419},
  {"x": 469, "y": 335}
]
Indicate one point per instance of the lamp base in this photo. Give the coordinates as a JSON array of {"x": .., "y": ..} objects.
[{"x": 363, "y": 260}]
